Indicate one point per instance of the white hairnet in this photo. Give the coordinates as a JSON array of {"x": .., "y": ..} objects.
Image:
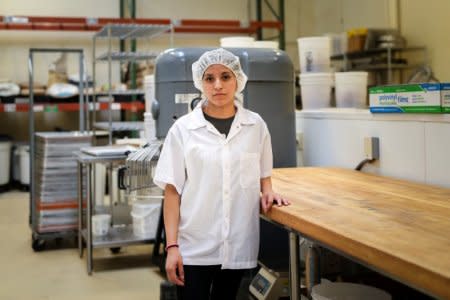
[{"x": 222, "y": 57}]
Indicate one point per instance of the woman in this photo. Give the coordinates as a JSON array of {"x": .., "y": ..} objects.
[{"x": 215, "y": 169}]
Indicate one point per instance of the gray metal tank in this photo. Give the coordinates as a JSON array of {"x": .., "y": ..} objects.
[{"x": 269, "y": 92}]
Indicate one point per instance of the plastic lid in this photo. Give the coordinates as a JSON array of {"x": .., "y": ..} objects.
[
  {"x": 347, "y": 291},
  {"x": 315, "y": 75},
  {"x": 337, "y": 74},
  {"x": 146, "y": 203}
]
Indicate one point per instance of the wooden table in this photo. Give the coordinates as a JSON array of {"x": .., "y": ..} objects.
[{"x": 395, "y": 226}]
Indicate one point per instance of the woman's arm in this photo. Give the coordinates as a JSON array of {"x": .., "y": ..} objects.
[
  {"x": 174, "y": 261},
  {"x": 268, "y": 196}
]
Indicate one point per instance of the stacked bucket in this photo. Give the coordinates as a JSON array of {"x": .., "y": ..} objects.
[{"x": 317, "y": 78}]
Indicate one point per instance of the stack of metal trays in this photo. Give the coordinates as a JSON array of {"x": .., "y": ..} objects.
[{"x": 55, "y": 175}]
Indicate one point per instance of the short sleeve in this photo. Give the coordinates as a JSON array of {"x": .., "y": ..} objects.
[
  {"x": 171, "y": 165},
  {"x": 266, "y": 163}
]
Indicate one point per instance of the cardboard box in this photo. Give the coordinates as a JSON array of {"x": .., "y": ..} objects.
[
  {"x": 445, "y": 97},
  {"x": 406, "y": 98}
]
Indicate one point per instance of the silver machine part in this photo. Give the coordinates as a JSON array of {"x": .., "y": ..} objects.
[{"x": 136, "y": 177}]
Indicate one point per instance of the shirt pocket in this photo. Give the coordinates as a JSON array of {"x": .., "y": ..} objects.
[{"x": 249, "y": 170}]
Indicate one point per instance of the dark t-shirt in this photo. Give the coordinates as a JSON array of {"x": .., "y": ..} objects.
[{"x": 222, "y": 125}]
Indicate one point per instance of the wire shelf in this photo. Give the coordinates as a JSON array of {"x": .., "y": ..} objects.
[
  {"x": 127, "y": 56},
  {"x": 131, "y": 31},
  {"x": 120, "y": 126}
]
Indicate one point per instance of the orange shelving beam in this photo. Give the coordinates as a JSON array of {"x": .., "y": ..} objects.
[{"x": 95, "y": 24}]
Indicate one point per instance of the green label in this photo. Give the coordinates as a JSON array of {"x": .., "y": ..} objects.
[
  {"x": 396, "y": 89},
  {"x": 51, "y": 108},
  {"x": 422, "y": 109}
]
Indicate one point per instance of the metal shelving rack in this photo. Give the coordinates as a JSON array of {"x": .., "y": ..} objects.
[
  {"x": 38, "y": 236},
  {"x": 389, "y": 66},
  {"x": 121, "y": 235},
  {"x": 123, "y": 32}
]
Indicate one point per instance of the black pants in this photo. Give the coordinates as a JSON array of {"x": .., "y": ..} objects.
[{"x": 209, "y": 283}]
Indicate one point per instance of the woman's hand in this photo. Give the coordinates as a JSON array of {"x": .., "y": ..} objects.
[
  {"x": 269, "y": 198},
  {"x": 174, "y": 266}
]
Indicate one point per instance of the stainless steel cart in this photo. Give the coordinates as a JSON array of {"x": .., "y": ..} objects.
[{"x": 117, "y": 236}]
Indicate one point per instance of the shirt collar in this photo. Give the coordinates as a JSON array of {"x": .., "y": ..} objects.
[{"x": 242, "y": 116}]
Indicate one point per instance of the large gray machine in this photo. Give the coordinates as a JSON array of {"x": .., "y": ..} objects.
[{"x": 269, "y": 92}]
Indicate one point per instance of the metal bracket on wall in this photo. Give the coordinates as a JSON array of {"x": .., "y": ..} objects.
[{"x": 279, "y": 16}]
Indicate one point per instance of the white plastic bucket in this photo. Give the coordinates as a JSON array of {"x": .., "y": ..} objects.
[
  {"x": 24, "y": 154},
  {"x": 145, "y": 214},
  {"x": 100, "y": 224},
  {"x": 266, "y": 44},
  {"x": 16, "y": 164},
  {"x": 314, "y": 54},
  {"x": 347, "y": 291},
  {"x": 237, "y": 42},
  {"x": 316, "y": 90},
  {"x": 351, "y": 89},
  {"x": 5, "y": 155},
  {"x": 149, "y": 88}
]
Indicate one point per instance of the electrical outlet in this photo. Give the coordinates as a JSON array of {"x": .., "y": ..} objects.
[{"x": 372, "y": 147}]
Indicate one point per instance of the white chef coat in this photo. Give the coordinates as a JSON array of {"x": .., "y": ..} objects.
[{"x": 218, "y": 179}]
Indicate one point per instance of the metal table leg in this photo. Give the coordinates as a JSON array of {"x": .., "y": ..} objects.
[
  {"x": 294, "y": 264},
  {"x": 312, "y": 268},
  {"x": 80, "y": 208},
  {"x": 88, "y": 218}
]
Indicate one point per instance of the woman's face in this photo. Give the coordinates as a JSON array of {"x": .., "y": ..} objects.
[{"x": 219, "y": 85}]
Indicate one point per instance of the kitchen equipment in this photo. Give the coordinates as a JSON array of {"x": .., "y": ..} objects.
[
  {"x": 136, "y": 178},
  {"x": 269, "y": 284}
]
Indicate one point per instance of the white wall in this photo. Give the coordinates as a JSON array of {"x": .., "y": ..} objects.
[
  {"x": 412, "y": 147},
  {"x": 427, "y": 23}
]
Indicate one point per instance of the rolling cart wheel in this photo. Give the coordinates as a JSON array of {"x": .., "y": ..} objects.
[
  {"x": 115, "y": 250},
  {"x": 37, "y": 244}
]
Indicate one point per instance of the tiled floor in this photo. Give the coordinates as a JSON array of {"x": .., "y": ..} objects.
[{"x": 59, "y": 273}]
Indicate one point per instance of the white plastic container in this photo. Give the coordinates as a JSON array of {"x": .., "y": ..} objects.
[
  {"x": 5, "y": 156},
  {"x": 316, "y": 90},
  {"x": 24, "y": 154},
  {"x": 100, "y": 224},
  {"x": 149, "y": 88},
  {"x": 347, "y": 291},
  {"x": 149, "y": 127},
  {"x": 266, "y": 44},
  {"x": 145, "y": 214},
  {"x": 237, "y": 42},
  {"x": 16, "y": 164},
  {"x": 314, "y": 54},
  {"x": 351, "y": 89}
]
